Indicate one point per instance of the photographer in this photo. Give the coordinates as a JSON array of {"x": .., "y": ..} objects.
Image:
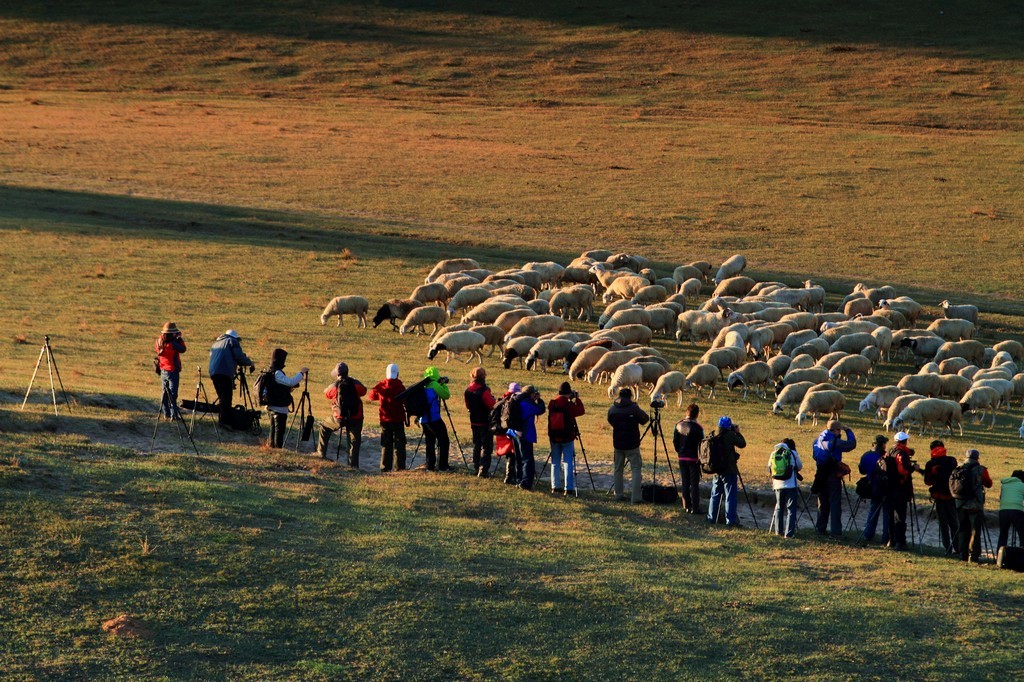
[
  {"x": 435, "y": 432},
  {"x": 936, "y": 476},
  {"x": 480, "y": 402},
  {"x": 562, "y": 430},
  {"x": 279, "y": 395},
  {"x": 626, "y": 418},
  {"x": 347, "y": 410},
  {"x": 168, "y": 348},
  {"x": 899, "y": 465},
  {"x": 225, "y": 356},
  {"x": 686, "y": 438},
  {"x": 879, "y": 506},
  {"x": 828, "y": 452},
  {"x": 530, "y": 407},
  {"x": 729, "y": 438},
  {"x": 392, "y": 419}
]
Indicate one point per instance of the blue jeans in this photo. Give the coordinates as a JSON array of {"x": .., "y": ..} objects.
[
  {"x": 785, "y": 511},
  {"x": 526, "y": 465},
  {"x": 830, "y": 511},
  {"x": 562, "y": 455},
  {"x": 877, "y": 507},
  {"x": 728, "y": 482},
  {"x": 169, "y": 392}
]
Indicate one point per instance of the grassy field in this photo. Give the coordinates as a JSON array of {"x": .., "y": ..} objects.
[{"x": 239, "y": 164}]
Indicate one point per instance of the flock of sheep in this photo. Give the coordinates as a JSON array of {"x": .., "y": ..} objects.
[{"x": 767, "y": 335}]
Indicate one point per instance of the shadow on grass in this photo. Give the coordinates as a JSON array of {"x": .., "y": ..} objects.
[{"x": 981, "y": 28}]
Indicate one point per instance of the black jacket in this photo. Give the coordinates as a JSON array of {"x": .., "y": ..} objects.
[
  {"x": 732, "y": 439},
  {"x": 626, "y": 417},
  {"x": 686, "y": 438}
]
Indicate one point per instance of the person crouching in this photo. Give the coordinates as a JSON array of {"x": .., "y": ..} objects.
[{"x": 347, "y": 411}]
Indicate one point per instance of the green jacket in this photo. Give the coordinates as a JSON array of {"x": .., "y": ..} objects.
[{"x": 1011, "y": 493}]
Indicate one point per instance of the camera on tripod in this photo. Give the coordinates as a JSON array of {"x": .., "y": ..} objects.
[
  {"x": 657, "y": 403},
  {"x": 443, "y": 380}
]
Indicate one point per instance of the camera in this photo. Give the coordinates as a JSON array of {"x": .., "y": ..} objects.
[
  {"x": 657, "y": 403},
  {"x": 443, "y": 380}
]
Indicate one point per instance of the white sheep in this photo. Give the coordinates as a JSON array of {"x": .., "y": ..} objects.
[
  {"x": 760, "y": 341},
  {"x": 577, "y": 299},
  {"x": 624, "y": 287},
  {"x": 467, "y": 297},
  {"x": 896, "y": 406},
  {"x": 971, "y": 350},
  {"x": 662, "y": 320},
  {"x": 734, "y": 286},
  {"x": 779, "y": 365},
  {"x": 820, "y": 402},
  {"x": 450, "y": 265},
  {"x": 510, "y": 318},
  {"x": 418, "y": 317},
  {"x": 875, "y": 295},
  {"x": 854, "y": 343},
  {"x": 609, "y": 334},
  {"x": 628, "y": 316},
  {"x": 686, "y": 272},
  {"x": 879, "y": 399},
  {"x": 981, "y": 399},
  {"x": 829, "y": 361},
  {"x": 816, "y": 297},
  {"x": 346, "y": 305},
  {"x": 697, "y": 324},
  {"x": 547, "y": 352},
  {"x": 457, "y": 343},
  {"x": 930, "y": 412},
  {"x": 549, "y": 271},
  {"x": 585, "y": 361},
  {"x": 992, "y": 373},
  {"x": 537, "y": 325},
  {"x": 883, "y": 339},
  {"x": 953, "y": 386},
  {"x": 494, "y": 336},
  {"x": 751, "y": 375},
  {"x": 487, "y": 312},
  {"x": 1018, "y": 386},
  {"x": 818, "y": 375},
  {"x": 816, "y": 348},
  {"x": 790, "y": 396},
  {"x": 858, "y": 306},
  {"x": 925, "y": 384},
  {"x": 850, "y": 367},
  {"x": 668, "y": 383},
  {"x": 1014, "y": 348},
  {"x": 540, "y": 306},
  {"x": 952, "y": 330},
  {"x": 969, "y": 372},
  {"x": 702, "y": 376},
  {"x": 960, "y": 312},
  {"x": 635, "y": 333},
  {"x": 922, "y": 346},
  {"x": 1004, "y": 386},
  {"x": 952, "y": 365},
  {"x": 456, "y": 283},
  {"x": 796, "y": 339},
  {"x": 722, "y": 358},
  {"x": 652, "y": 370},
  {"x": 690, "y": 288},
  {"x": 733, "y": 266},
  {"x": 653, "y": 293},
  {"x": 517, "y": 349},
  {"x": 430, "y": 293},
  {"x": 608, "y": 363},
  {"x": 910, "y": 308},
  {"x": 801, "y": 361}
]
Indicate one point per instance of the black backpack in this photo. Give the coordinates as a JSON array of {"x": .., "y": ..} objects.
[
  {"x": 346, "y": 399},
  {"x": 711, "y": 455},
  {"x": 507, "y": 414},
  {"x": 415, "y": 399},
  {"x": 262, "y": 385},
  {"x": 963, "y": 483}
]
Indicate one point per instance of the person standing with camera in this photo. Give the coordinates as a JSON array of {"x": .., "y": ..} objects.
[
  {"x": 729, "y": 438},
  {"x": 392, "y": 419},
  {"x": 480, "y": 402},
  {"x": 279, "y": 395},
  {"x": 936, "y": 476},
  {"x": 626, "y": 418},
  {"x": 530, "y": 407},
  {"x": 347, "y": 410},
  {"x": 435, "y": 432},
  {"x": 899, "y": 465},
  {"x": 686, "y": 438},
  {"x": 226, "y": 356},
  {"x": 168, "y": 348},
  {"x": 562, "y": 430},
  {"x": 828, "y": 452}
]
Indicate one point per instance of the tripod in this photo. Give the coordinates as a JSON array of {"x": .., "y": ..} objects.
[
  {"x": 179, "y": 421},
  {"x": 455, "y": 433},
  {"x": 51, "y": 366},
  {"x": 654, "y": 427},
  {"x": 850, "y": 506},
  {"x": 304, "y": 413},
  {"x": 201, "y": 392},
  {"x": 246, "y": 401}
]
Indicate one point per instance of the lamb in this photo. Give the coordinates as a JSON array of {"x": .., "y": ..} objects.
[
  {"x": 653, "y": 293},
  {"x": 952, "y": 330},
  {"x": 701, "y": 376},
  {"x": 970, "y": 350},
  {"x": 424, "y": 315},
  {"x": 925, "y": 384},
  {"x": 517, "y": 348},
  {"x": 960, "y": 312},
  {"x": 981, "y": 399},
  {"x": 733, "y": 266},
  {"x": 879, "y": 399},
  {"x": 853, "y": 343},
  {"x": 624, "y": 287},
  {"x": 609, "y": 362},
  {"x": 931, "y": 411},
  {"x": 668, "y": 383},
  {"x": 734, "y": 286},
  {"x": 510, "y": 318},
  {"x": 751, "y": 375},
  {"x": 494, "y": 336},
  {"x": 430, "y": 293},
  {"x": 789, "y": 396},
  {"x": 537, "y": 325},
  {"x": 395, "y": 309},
  {"x": 690, "y": 288},
  {"x": 628, "y": 316},
  {"x": 456, "y": 343},
  {"x": 547, "y": 352},
  {"x": 625, "y": 376},
  {"x": 818, "y": 375},
  {"x": 346, "y": 305},
  {"x": 820, "y": 402},
  {"x": 1014, "y": 348},
  {"x": 849, "y": 367},
  {"x": 466, "y": 298},
  {"x": 487, "y": 312},
  {"x": 451, "y": 265},
  {"x": 576, "y": 299}
]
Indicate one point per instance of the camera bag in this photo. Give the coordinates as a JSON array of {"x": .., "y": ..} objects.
[
  {"x": 659, "y": 494},
  {"x": 1011, "y": 558}
]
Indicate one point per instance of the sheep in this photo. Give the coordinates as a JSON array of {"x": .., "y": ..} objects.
[
  {"x": 801, "y": 361},
  {"x": 925, "y": 384},
  {"x": 790, "y": 396},
  {"x": 450, "y": 265},
  {"x": 609, "y": 362},
  {"x": 818, "y": 375},
  {"x": 833, "y": 332},
  {"x": 879, "y": 399},
  {"x": 530, "y": 278},
  {"x": 858, "y": 306},
  {"x": 597, "y": 254},
  {"x": 705, "y": 268},
  {"x": 668, "y": 383},
  {"x": 893, "y": 319},
  {"x": 883, "y": 339},
  {"x": 794, "y": 298},
  {"x": 760, "y": 341},
  {"x": 547, "y": 352},
  {"x": 701, "y": 376},
  {"x": 930, "y": 411},
  {"x": 652, "y": 370},
  {"x": 624, "y": 287},
  {"x": 774, "y": 314},
  {"x": 969, "y": 372},
  {"x": 540, "y": 306},
  {"x": 816, "y": 348},
  {"x": 662, "y": 320},
  {"x": 523, "y": 291},
  {"x": 800, "y": 320},
  {"x": 733, "y": 335},
  {"x": 853, "y": 343},
  {"x": 922, "y": 346},
  {"x": 816, "y": 296},
  {"x": 537, "y": 325},
  {"x": 834, "y": 318},
  {"x": 479, "y": 274},
  {"x": 1018, "y": 386},
  {"x": 430, "y": 293},
  {"x": 910, "y": 308},
  {"x": 625, "y": 376},
  {"x": 550, "y": 272},
  {"x": 752, "y": 374},
  {"x": 395, "y": 309},
  {"x": 733, "y": 266},
  {"x": 875, "y": 295},
  {"x": 654, "y": 293},
  {"x": 487, "y": 312},
  {"x": 970, "y": 350},
  {"x": 929, "y": 368},
  {"x": 698, "y": 324},
  {"x": 423, "y": 315},
  {"x": 635, "y": 333},
  {"x": 577, "y": 299},
  {"x": 851, "y": 366},
  {"x": 346, "y": 305},
  {"x": 613, "y": 308},
  {"x": 734, "y": 286},
  {"x": 779, "y": 365},
  {"x": 1003, "y": 360},
  {"x": 457, "y": 283},
  {"x": 585, "y": 361},
  {"x": 509, "y": 318},
  {"x": 690, "y": 288},
  {"x": 674, "y": 305},
  {"x": 494, "y": 336},
  {"x": 960, "y": 312},
  {"x": 828, "y": 361},
  {"x": 466, "y": 298},
  {"x": 1014, "y": 348},
  {"x": 625, "y": 260},
  {"x": 952, "y": 365},
  {"x": 952, "y": 330},
  {"x": 873, "y": 354},
  {"x": 456, "y": 343},
  {"x": 651, "y": 276},
  {"x": 1004, "y": 386},
  {"x": 820, "y": 402},
  {"x": 684, "y": 273},
  {"x": 981, "y": 399},
  {"x": 511, "y": 299},
  {"x": 992, "y": 373},
  {"x": 722, "y": 358},
  {"x": 610, "y": 334},
  {"x": 797, "y": 338},
  {"x": 896, "y": 406},
  {"x": 628, "y": 316}
]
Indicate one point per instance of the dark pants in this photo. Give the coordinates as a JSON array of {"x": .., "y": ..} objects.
[
  {"x": 689, "y": 474},
  {"x": 350, "y": 432},
  {"x": 1010, "y": 518},
  {"x": 435, "y": 434},
  {"x": 225, "y": 388},
  {"x": 945, "y": 512},
  {"x": 483, "y": 446},
  {"x": 972, "y": 523},
  {"x": 527, "y": 465},
  {"x": 830, "y": 510},
  {"x": 392, "y": 440},
  {"x": 278, "y": 427},
  {"x": 512, "y": 465},
  {"x": 898, "y": 505}
]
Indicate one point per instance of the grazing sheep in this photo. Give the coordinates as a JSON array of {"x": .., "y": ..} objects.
[
  {"x": 797, "y": 338},
  {"x": 466, "y": 298},
  {"x": 509, "y": 318},
  {"x": 430, "y": 293},
  {"x": 690, "y": 288},
  {"x": 547, "y": 352},
  {"x": 609, "y": 334},
  {"x": 821, "y": 402},
  {"x": 751, "y": 375},
  {"x": 723, "y": 358},
  {"x": 668, "y": 383},
  {"x": 585, "y": 361},
  {"x": 952, "y": 330},
  {"x": 625, "y": 260},
  {"x": 625, "y": 376},
  {"x": 517, "y": 348},
  {"x": 457, "y": 343},
  {"x": 879, "y": 399},
  {"x": 925, "y": 384},
  {"x": 816, "y": 348},
  {"x": 662, "y": 320},
  {"x": 969, "y": 371},
  {"x": 829, "y": 361},
  {"x": 523, "y": 291},
  {"x": 600, "y": 255},
  {"x": 346, "y": 305},
  {"x": 760, "y": 341},
  {"x": 1014, "y": 348},
  {"x": 992, "y": 373},
  {"x": 654, "y": 293},
  {"x": 624, "y": 287},
  {"x": 779, "y": 365},
  {"x": 487, "y": 312},
  {"x": 705, "y": 268},
  {"x": 702, "y": 376},
  {"x": 873, "y": 354},
  {"x": 892, "y": 319},
  {"x": 1004, "y": 386},
  {"x": 883, "y": 339},
  {"x": 790, "y": 396},
  {"x": 923, "y": 346},
  {"x": 850, "y": 367},
  {"x": 910, "y": 308},
  {"x": 774, "y": 314},
  {"x": 577, "y": 299},
  {"x": 979, "y": 400},
  {"x": 733, "y": 266},
  {"x": 684, "y": 273},
  {"x": 801, "y": 361},
  {"x": 494, "y": 336},
  {"x": 1018, "y": 386},
  {"x": 929, "y": 368},
  {"x": 834, "y": 331},
  {"x": 395, "y": 309},
  {"x": 952, "y": 365},
  {"x": 451, "y": 265},
  {"x": 970, "y": 350},
  {"x": 422, "y": 316},
  {"x": 549, "y": 271},
  {"x": 853, "y": 343},
  {"x": 540, "y": 306},
  {"x": 608, "y": 363},
  {"x": 734, "y": 286},
  {"x": 530, "y": 278},
  {"x": 818, "y": 375},
  {"x": 537, "y": 325},
  {"x": 456, "y": 284},
  {"x": 635, "y": 333},
  {"x": 930, "y": 412},
  {"x": 697, "y": 324},
  {"x": 628, "y": 316},
  {"x": 816, "y": 297},
  {"x": 960, "y": 312},
  {"x": 858, "y": 306}
]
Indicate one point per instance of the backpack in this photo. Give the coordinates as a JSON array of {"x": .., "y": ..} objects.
[
  {"x": 507, "y": 414},
  {"x": 346, "y": 399},
  {"x": 269, "y": 392},
  {"x": 711, "y": 455},
  {"x": 962, "y": 482},
  {"x": 415, "y": 400},
  {"x": 885, "y": 470},
  {"x": 782, "y": 463},
  {"x": 560, "y": 425}
]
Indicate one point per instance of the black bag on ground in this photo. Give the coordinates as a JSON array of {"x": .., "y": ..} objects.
[
  {"x": 659, "y": 494},
  {"x": 241, "y": 419},
  {"x": 1011, "y": 558},
  {"x": 307, "y": 428}
]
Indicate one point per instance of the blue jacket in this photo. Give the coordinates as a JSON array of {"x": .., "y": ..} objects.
[
  {"x": 869, "y": 467},
  {"x": 436, "y": 392},
  {"x": 530, "y": 411},
  {"x": 225, "y": 354},
  {"x": 828, "y": 447}
]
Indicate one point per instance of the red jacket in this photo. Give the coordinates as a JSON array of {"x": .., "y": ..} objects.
[
  {"x": 168, "y": 350},
  {"x": 479, "y": 411},
  {"x": 331, "y": 393},
  {"x": 391, "y": 411},
  {"x": 571, "y": 409}
]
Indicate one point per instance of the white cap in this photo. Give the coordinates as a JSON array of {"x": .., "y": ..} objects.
[
  {"x": 901, "y": 437},
  {"x": 232, "y": 333},
  {"x": 392, "y": 371}
]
